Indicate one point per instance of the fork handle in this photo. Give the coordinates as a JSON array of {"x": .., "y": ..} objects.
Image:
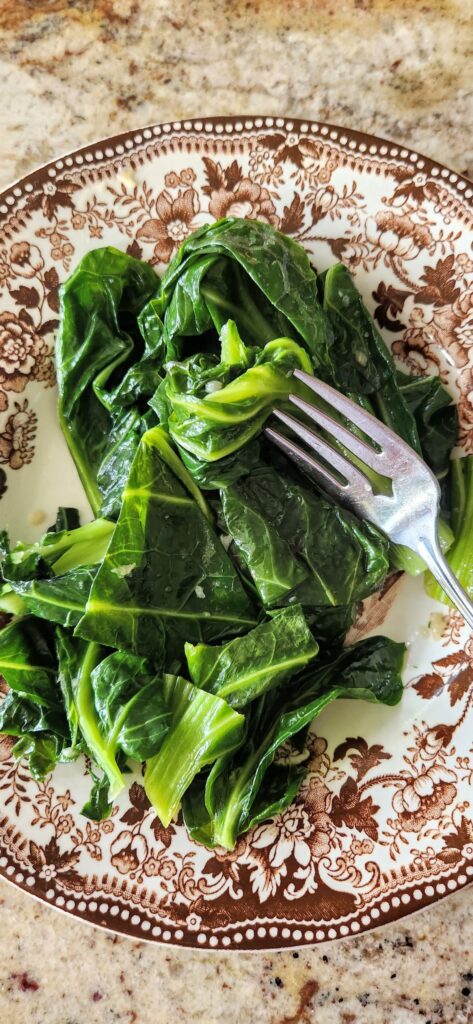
[{"x": 429, "y": 549}]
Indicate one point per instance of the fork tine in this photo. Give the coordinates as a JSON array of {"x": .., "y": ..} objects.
[
  {"x": 354, "y": 477},
  {"x": 322, "y": 476},
  {"x": 388, "y": 441},
  {"x": 364, "y": 451}
]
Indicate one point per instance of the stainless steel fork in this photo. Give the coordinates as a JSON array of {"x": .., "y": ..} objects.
[{"x": 409, "y": 514}]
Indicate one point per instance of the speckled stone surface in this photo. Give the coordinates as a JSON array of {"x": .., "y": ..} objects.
[
  {"x": 74, "y": 71},
  {"x": 54, "y": 970}
]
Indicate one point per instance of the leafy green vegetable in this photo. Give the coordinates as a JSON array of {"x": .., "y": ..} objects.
[
  {"x": 270, "y": 272},
  {"x": 43, "y": 752},
  {"x": 58, "y": 552},
  {"x": 28, "y": 661},
  {"x": 222, "y": 805},
  {"x": 211, "y": 476},
  {"x": 131, "y": 705},
  {"x": 217, "y": 407},
  {"x": 164, "y": 389},
  {"x": 102, "y": 364},
  {"x": 53, "y": 577},
  {"x": 20, "y": 715},
  {"x": 372, "y": 667},
  {"x": 300, "y": 547},
  {"x": 359, "y": 362},
  {"x": 32, "y": 709},
  {"x": 246, "y": 667},
  {"x": 79, "y": 659},
  {"x": 166, "y": 577},
  {"x": 98, "y": 805},
  {"x": 203, "y": 728},
  {"x": 460, "y": 555},
  {"x": 436, "y": 419}
]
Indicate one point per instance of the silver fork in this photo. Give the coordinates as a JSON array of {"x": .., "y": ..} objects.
[{"x": 409, "y": 515}]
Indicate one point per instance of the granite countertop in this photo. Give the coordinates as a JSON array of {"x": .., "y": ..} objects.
[{"x": 75, "y": 70}]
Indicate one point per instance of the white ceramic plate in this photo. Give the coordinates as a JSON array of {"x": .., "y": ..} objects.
[{"x": 383, "y": 824}]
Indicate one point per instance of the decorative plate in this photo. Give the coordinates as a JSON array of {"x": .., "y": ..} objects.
[{"x": 383, "y": 824}]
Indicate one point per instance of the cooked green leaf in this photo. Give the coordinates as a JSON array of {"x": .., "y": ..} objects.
[
  {"x": 214, "y": 408},
  {"x": 28, "y": 661},
  {"x": 101, "y": 361},
  {"x": 460, "y": 554},
  {"x": 222, "y": 805},
  {"x": 42, "y": 751},
  {"x": 270, "y": 271},
  {"x": 246, "y": 667},
  {"x": 98, "y": 806},
  {"x": 52, "y": 578},
  {"x": 203, "y": 728},
  {"x": 298, "y": 546},
  {"x": 436, "y": 418},
  {"x": 79, "y": 659},
  {"x": 131, "y": 705},
  {"x": 358, "y": 361},
  {"x": 166, "y": 577}
]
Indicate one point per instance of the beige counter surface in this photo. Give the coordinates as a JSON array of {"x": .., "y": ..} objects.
[{"x": 71, "y": 72}]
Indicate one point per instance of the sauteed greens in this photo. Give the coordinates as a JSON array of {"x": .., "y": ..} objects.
[{"x": 198, "y": 622}]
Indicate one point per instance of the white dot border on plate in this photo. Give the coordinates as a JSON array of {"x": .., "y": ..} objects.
[
  {"x": 114, "y": 915},
  {"x": 113, "y": 152}
]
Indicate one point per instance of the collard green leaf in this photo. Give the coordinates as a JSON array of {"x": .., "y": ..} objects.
[
  {"x": 131, "y": 705},
  {"x": 166, "y": 577},
  {"x": 53, "y": 577},
  {"x": 98, "y": 806},
  {"x": 460, "y": 555},
  {"x": 112, "y": 474},
  {"x": 436, "y": 418},
  {"x": 371, "y": 667},
  {"x": 100, "y": 354},
  {"x": 267, "y": 656},
  {"x": 28, "y": 661},
  {"x": 42, "y": 750},
  {"x": 79, "y": 659},
  {"x": 57, "y": 553},
  {"x": 60, "y": 599},
  {"x": 20, "y": 715},
  {"x": 232, "y": 797},
  {"x": 66, "y": 659},
  {"x": 203, "y": 728},
  {"x": 216, "y": 408},
  {"x": 300, "y": 547},
  {"x": 280, "y": 278},
  {"x": 358, "y": 362},
  {"x": 211, "y": 476}
]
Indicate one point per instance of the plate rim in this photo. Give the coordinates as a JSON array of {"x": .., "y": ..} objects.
[{"x": 331, "y": 131}]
